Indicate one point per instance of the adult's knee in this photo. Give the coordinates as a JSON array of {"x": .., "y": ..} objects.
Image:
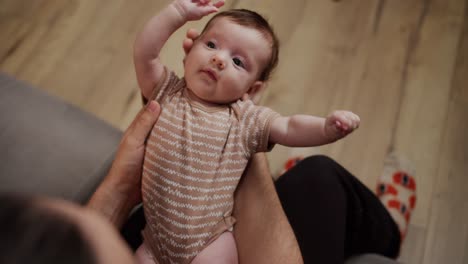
[
  {"x": 320, "y": 167},
  {"x": 318, "y": 162},
  {"x": 312, "y": 172}
]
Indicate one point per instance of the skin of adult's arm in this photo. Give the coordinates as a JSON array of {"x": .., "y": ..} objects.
[
  {"x": 262, "y": 231},
  {"x": 120, "y": 190}
]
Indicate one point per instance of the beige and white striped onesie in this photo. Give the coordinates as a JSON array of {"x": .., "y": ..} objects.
[{"x": 194, "y": 159}]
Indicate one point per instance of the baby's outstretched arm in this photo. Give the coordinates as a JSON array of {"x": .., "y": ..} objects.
[
  {"x": 157, "y": 31},
  {"x": 308, "y": 131}
]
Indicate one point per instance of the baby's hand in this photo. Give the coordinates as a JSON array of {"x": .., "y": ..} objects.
[
  {"x": 340, "y": 123},
  {"x": 196, "y": 9}
]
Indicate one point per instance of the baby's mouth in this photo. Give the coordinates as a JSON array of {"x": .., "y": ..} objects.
[{"x": 212, "y": 74}]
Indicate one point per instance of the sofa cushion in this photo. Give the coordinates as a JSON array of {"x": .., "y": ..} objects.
[{"x": 50, "y": 147}]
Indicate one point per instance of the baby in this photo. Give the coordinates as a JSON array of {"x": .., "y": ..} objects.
[{"x": 209, "y": 128}]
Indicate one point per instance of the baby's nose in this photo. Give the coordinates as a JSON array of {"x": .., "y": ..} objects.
[{"x": 218, "y": 62}]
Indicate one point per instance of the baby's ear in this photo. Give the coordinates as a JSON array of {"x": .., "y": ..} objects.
[{"x": 255, "y": 91}]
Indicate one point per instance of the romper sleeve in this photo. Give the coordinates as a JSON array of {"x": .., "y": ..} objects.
[
  {"x": 255, "y": 124},
  {"x": 169, "y": 82}
]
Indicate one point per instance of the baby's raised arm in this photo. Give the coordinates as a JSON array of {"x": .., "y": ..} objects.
[
  {"x": 308, "y": 131},
  {"x": 157, "y": 31}
]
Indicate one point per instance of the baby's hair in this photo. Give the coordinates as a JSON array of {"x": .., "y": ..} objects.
[{"x": 254, "y": 20}]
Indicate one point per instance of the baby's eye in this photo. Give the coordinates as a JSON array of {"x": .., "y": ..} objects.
[
  {"x": 238, "y": 62},
  {"x": 210, "y": 45}
]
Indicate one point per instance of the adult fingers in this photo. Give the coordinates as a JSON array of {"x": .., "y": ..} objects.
[
  {"x": 187, "y": 45},
  {"x": 192, "y": 33},
  {"x": 143, "y": 123},
  {"x": 191, "y": 36}
]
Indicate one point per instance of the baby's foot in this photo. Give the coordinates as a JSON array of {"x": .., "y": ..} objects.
[{"x": 396, "y": 189}]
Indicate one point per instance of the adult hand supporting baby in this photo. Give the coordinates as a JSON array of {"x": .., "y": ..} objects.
[
  {"x": 121, "y": 189},
  {"x": 262, "y": 232}
]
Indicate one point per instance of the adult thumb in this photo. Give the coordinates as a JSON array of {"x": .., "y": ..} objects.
[{"x": 144, "y": 121}]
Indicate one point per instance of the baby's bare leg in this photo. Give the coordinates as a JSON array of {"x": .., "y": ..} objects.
[{"x": 221, "y": 251}]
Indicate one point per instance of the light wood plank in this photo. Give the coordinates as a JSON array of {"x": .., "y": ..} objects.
[
  {"x": 376, "y": 88},
  {"x": 412, "y": 251},
  {"x": 337, "y": 56},
  {"x": 448, "y": 220},
  {"x": 447, "y": 232},
  {"x": 460, "y": 81},
  {"x": 423, "y": 114}
]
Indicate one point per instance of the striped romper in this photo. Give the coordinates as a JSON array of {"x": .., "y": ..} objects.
[{"x": 194, "y": 159}]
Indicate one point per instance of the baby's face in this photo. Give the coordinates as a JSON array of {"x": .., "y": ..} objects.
[{"x": 226, "y": 61}]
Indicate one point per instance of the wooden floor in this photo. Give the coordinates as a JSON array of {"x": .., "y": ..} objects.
[{"x": 402, "y": 65}]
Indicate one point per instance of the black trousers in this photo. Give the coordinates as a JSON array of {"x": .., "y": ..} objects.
[{"x": 333, "y": 215}]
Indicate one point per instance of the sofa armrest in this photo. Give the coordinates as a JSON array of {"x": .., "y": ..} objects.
[{"x": 50, "y": 147}]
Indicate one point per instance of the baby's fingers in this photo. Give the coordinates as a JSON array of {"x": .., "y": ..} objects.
[
  {"x": 347, "y": 120},
  {"x": 340, "y": 127},
  {"x": 216, "y": 4},
  {"x": 342, "y": 122},
  {"x": 219, "y": 4},
  {"x": 354, "y": 119},
  {"x": 208, "y": 9}
]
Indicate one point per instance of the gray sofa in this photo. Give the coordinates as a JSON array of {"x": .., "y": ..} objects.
[{"x": 52, "y": 148}]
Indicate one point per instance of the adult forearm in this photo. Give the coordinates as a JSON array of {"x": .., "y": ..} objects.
[
  {"x": 120, "y": 192},
  {"x": 262, "y": 231},
  {"x": 111, "y": 204}
]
